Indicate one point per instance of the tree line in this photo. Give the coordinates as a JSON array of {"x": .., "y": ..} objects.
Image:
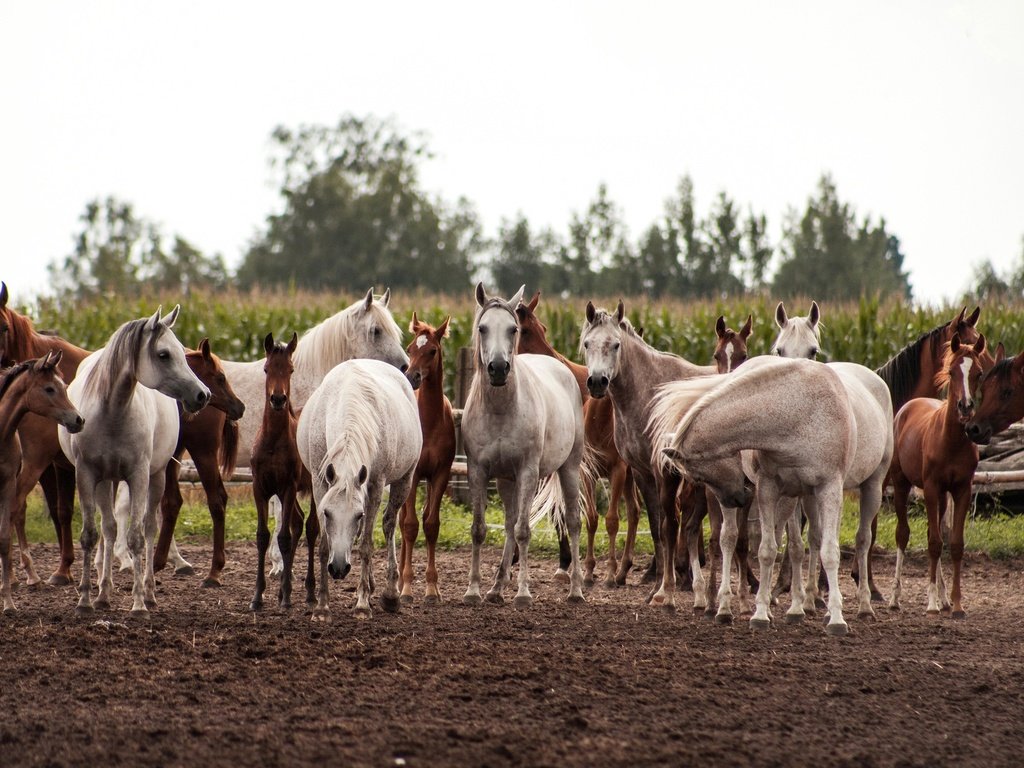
[{"x": 354, "y": 213}]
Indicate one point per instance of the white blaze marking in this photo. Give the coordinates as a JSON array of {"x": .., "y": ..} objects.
[
  {"x": 728, "y": 357},
  {"x": 421, "y": 341},
  {"x": 965, "y": 368}
]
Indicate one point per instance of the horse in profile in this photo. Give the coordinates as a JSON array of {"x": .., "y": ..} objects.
[
  {"x": 599, "y": 433},
  {"x": 359, "y": 432},
  {"x": 790, "y": 427},
  {"x": 1001, "y": 393},
  {"x": 34, "y": 386},
  {"x": 41, "y": 461},
  {"x": 426, "y": 376},
  {"x": 934, "y": 453},
  {"x": 522, "y": 425},
  {"x": 129, "y": 434},
  {"x": 277, "y": 471},
  {"x": 624, "y": 368}
]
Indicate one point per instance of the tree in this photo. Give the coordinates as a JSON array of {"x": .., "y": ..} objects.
[
  {"x": 758, "y": 250},
  {"x": 827, "y": 255},
  {"x": 355, "y": 215}
]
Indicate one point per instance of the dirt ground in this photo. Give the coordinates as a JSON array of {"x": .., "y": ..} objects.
[{"x": 204, "y": 682}]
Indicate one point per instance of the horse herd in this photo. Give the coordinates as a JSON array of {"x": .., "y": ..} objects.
[{"x": 343, "y": 412}]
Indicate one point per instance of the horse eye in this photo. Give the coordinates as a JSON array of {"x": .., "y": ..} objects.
[
  {"x": 513, "y": 331},
  {"x": 779, "y": 352},
  {"x": 221, "y": 379},
  {"x": 814, "y": 354},
  {"x": 51, "y": 390},
  {"x": 433, "y": 351},
  {"x": 164, "y": 355},
  {"x": 586, "y": 345},
  {"x": 376, "y": 331},
  {"x": 483, "y": 330}
]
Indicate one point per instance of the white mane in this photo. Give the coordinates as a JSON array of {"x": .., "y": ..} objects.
[
  {"x": 358, "y": 442},
  {"x": 326, "y": 344}
]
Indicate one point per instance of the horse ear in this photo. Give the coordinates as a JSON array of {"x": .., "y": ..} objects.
[
  {"x": 518, "y": 298},
  {"x": 591, "y": 312},
  {"x": 815, "y": 314},
  {"x": 414, "y": 322},
  {"x": 959, "y": 318},
  {"x": 153, "y": 320},
  {"x": 293, "y": 343},
  {"x": 973, "y": 319},
  {"x": 979, "y": 345},
  {"x": 3, "y": 294},
  {"x": 170, "y": 317},
  {"x": 720, "y": 328},
  {"x": 385, "y": 298},
  {"x": 533, "y": 302},
  {"x": 620, "y": 311},
  {"x": 204, "y": 349},
  {"x": 50, "y": 361},
  {"x": 1018, "y": 363},
  {"x": 954, "y": 343},
  {"x": 363, "y": 474},
  {"x": 268, "y": 343},
  {"x": 442, "y": 329},
  {"x": 368, "y": 300},
  {"x": 481, "y": 294},
  {"x": 781, "y": 318},
  {"x": 1000, "y": 352},
  {"x": 747, "y": 327}
]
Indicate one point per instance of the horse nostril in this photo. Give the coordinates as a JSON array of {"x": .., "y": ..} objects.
[{"x": 403, "y": 367}]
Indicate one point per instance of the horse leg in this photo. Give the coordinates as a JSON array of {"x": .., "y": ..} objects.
[
  {"x": 935, "y": 502},
  {"x": 477, "y": 481},
  {"x": 410, "y": 526},
  {"x": 714, "y": 510},
  {"x": 156, "y": 492},
  {"x": 207, "y": 469},
  {"x": 285, "y": 538},
  {"x": 569, "y": 476},
  {"x": 7, "y": 495},
  {"x": 122, "y": 516},
  {"x": 170, "y": 506},
  {"x": 668, "y": 486},
  {"x": 322, "y": 611},
  {"x": 961, "y": 504},
  {"x": 876, "y": 594},
  {"x": 727, "y": 543},
  {"x": 217, "y": 501},
  {"x": 591, "y": 510},
  {"x": 138, "y": 494},
  {"x": 901, "y": 491},
  {"x": 812, "y": 598},
  {"x": 48, "y": 481},
  {"x": 87, "y": 497},
  {"x": 748, "y": 581},
  {"x": 312, "y": 534},
  {"x": 374, "y": 492},
  {"x": 767, "y": 502},
  {"x": 276, "y": 559},
  {"x": 399, "y": 493},
  {"x": 795, "y": 554},
  {"x": 431, "y": 530},
  {"x": 521, "y": 525},
  {"x": 262, "y": 544},
  {"x": 693, "y": 507},
  {"x": 829, "y": 509},
  {"x": 870, "y": 501},
  {"x": 652, "y": 500},
  {"x": 616, "y": 480},
  {"x": 632, "y": 523},
  {"x": 35, "y": 464},
  {"x": 945, "y": 526},
  {"x": 510, "y": 501}
]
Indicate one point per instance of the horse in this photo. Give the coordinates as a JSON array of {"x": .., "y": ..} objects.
[
  {"x": 129, "y": 434},
  {"x": 34, "y": 386},
  {"x": 624, "y": 368},
  {"x": 789, "y": 425},
  {"x": 42, "y": 461},
  {"x": 934, "y": 453},
  {"x": 522, "y": 424},
  {"x": 277, "y": 471},
  {"x": 358, "y": 432},
  {"x": 1001, "y": 392},
  {"x": 599, "y": 434},
  {"x": 437, "y": 424},
  {"x": 210, "y": 436}
]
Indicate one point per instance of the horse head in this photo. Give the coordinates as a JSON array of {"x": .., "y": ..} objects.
[
  {"x": 961, "y": 371},
  {"x": 46, "y": 394},
  {"x": 601, "y": 340},
  {"x": 731, "y": 348},
  {"x": 161, "y": 363},
  {"x": 798, "y": 336},
  {"x": 278, "y": 368},
  {"x": 375, "y": 334},
  {"x": 1002, "y": 397},
  {"x": 496, "y": 334},
  {"x": 426, "y": 362},
  {"x": 533, "y": 339},
  {"x": 341, "y": 509},
  {"x": 207, "y": 368}
]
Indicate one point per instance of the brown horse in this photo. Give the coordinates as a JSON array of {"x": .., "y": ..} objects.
[
  {"x": 933, "y": 452},
  {"x": 278, "y": 471},
  {"x": 1002, "y": 398},
  {"x": 42, "y": 461},
  {"x": 33, "y": 387},
  {"x": 599, "y": 432},
  {"x": 211, "y": 439},
  {"x": 426, "y": 375}
]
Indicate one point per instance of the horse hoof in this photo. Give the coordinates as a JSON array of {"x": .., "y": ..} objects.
[
  {"x": 150, "y": 603},
  {"x": 495, "y": 598},
  {"x": 58, "y": 580},
  {"x": 588, "y": 581},
  {"x": 575, "y": 599},
  {"x": 523, "y": 601},
  {"x": 471, "y": 599},
  {"x": 819, "y": 604},
  {"x": 139, "y": 613},
  {"x": 725, "y": 619},
  {"x": 390, "y": 604},
  {"x": 648, "y": 577},
  {"x": 431, "y": 599},
  {"x": 699, "y": 609},
  {"x": 960, "y": 615},
  {"x": 867, "y": 615},
  {"x": 794, "y": 618},
  {"x": 362, "y": 613},
  {"x": 84, "y": 610},
  {"x": 895, "y": 607},
  {"x": 256, "y": 606},
  {"x": 876, "y": 596},
  {"x": 406, "y": 599},
  {"x": 9, "y": 609},
  {"x": 561, "y": 577},
  {"x": 211, "y": 583},
  {"x": 667, "y": 607},
  {"x": 610, "y": 583},
  {"x": 934, "y": 613},
  {"x": 836, "y": 630},
  {"x": 101, "y": 604},
  {"x": 760, "y": 625},
  {"x": 185, "y": 570},
  {"x": 709, "y": 613},
  {"x": 320, "y": 615}
]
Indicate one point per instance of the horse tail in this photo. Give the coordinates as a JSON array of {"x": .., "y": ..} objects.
[
  {"x": 550, "y": 499},
  {"x": 228, "y": 448},
  {"x": 669, "y": 409}
]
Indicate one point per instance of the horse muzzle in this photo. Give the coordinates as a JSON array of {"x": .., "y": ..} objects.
[
  {"x": 978, "y": 433},
  {"x": 597, "y": 385},
  {"x": 339, "y": 571},
  {"x": 498, "y": 372},
  {"x": 235, "y": 410},
  {"x": 278, "y": 402},
  {"x": 415, "y": 379},
  {"x": 73, "y": 422},
  {"x": 197, "y": 401}
]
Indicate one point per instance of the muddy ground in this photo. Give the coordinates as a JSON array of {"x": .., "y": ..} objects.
[{"x": 205, "y": 682}]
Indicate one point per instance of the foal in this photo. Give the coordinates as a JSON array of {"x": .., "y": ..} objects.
[
  {"x": 277, "y": 470},
  {"x": 426, "y": 375},
  {"x": 934, "y": 453},
  {"x": 35, "y": 387}
]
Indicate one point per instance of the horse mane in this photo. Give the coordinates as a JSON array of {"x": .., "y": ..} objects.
[
  {"x": 123, "y": 347},
  {"x": 673, "y": 406},
  {"x": 19, "y": 334},
  {"x": 903, "y": 371},
  {"x": 327, "y": 343},
  {"x": 356, "y": 444},
  {"x": 942, "y": 377},
  {"x": 228, "y": 448},
  {"x": 1001, "y": 370},
  {"x": 10, "y": 374}
]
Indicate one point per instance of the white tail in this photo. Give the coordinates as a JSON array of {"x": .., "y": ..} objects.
[{"x": 550, "y": 500}]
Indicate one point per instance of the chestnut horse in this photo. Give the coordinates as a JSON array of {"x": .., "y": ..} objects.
[
  {"x": 42, "y": 461},
  {"x": 599, "y": 432},
  {"x": 1002, "y": 397},
  {"x": 277, "y": 471},
  {"x": 34, "y": 387},
  {"x": 426, "y": 375},
  {"x": 934, "y": 453}
]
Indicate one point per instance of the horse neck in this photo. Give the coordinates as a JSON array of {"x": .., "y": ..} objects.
[
  {"x": 276, "y": 423},
  {"x": 26, "y": 343},
  {"x": 579, "y": 372},
  {"x": 430, "y": 395},
  {"x": 953, "y": 432},
  {"x": 499, "y": 400},
  {"x": 12, "y": 410}
]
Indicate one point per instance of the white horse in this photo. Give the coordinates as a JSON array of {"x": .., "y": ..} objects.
[
  {"x": 796, "y": 429},
  {"x": 522, "y": 423},
  {"x": 359, "y": 432},
  {"x": 130, "y": 434}
]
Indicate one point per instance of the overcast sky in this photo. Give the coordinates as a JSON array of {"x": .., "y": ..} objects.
[{"x": 916, "y": 108}]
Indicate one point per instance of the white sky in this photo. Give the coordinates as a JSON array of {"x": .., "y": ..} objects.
[{"x": 916, "y": 108}]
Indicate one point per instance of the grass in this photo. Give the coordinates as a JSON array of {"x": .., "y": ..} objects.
[{"x": 999, "y": 534}]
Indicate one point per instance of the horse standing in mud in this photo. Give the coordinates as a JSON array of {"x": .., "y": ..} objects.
[
  {"x": 426, "y": 375},
  {"x": 130, "y": 434},
  {"x": 934, "y": 453},
  {"x": 522, "y": 425},
  {"x": 359, "y": 432},
  {"x": 34, "y": 386}
]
